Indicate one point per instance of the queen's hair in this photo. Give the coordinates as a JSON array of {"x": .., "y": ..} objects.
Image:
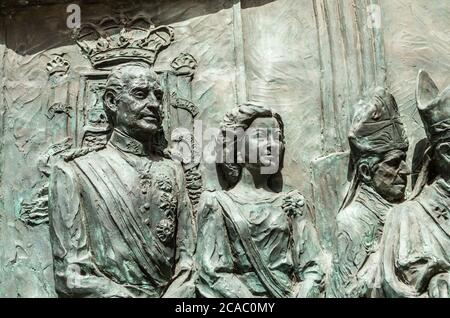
[{"x": 240, "y": 119}]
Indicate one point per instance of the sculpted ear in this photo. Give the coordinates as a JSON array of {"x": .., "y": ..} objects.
[
  {"x": 364, "y": 172},
  {"x": 426, "y": 90},
  {"x": 444, "y": 151},
  {"x": 110, "y": 101}
]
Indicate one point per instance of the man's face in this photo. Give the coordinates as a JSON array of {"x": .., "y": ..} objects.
[
  {"x": 139, "y": 103},
  {"x": 389, "y": 176}
]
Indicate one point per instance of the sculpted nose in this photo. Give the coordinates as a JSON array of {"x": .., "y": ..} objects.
[
  {"x": 404, "y": 169},
  {"x": 152, "y": 102},
  {"x": 152, "y": 105},
  {"x": 153, "y": 99}
]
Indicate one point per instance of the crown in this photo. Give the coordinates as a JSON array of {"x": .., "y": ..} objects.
[
  {"x": 58, "y": 65},
  {"x": 184, "y": 64},
  {"x": 114, "y": 41}
]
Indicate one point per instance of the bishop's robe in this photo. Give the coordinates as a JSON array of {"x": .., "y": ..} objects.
[
  {"x": 416, "y": 243},
  {"x": 358, "y": 232}
]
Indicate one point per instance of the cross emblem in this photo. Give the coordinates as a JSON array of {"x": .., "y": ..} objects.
[{"x": 442, "y": 212}]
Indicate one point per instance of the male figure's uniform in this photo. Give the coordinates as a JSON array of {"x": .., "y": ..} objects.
[{"x": 121, "y": 224}]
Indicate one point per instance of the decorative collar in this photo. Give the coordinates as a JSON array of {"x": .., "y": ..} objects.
[
  {"x": 444, "y": 186},
  {"x": 373, "y": 201},
  {"x": 128, "y": 144},
  {"x": 435, "y": 199}
]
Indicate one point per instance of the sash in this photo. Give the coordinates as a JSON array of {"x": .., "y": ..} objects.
[
  {"x": 150, "y": 257},
  {"x": 240, "y": 224}
]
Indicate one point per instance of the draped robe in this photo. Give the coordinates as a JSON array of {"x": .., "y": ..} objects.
[
  {"x": 359, "y": 230},
  {"x": 416, "y": 243}
]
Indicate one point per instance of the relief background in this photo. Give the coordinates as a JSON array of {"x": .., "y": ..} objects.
[{"x": 308, "y": 59}]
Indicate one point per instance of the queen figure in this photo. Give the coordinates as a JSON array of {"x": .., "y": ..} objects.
[{"x": 254, "y": 240}]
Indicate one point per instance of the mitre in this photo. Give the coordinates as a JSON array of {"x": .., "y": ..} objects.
[
  {"x": 434, "y": 108},
  {"x": 376, "y": 127}
]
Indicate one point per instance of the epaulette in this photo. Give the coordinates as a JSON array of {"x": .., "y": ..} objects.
[{"x": 79, "y": 152}]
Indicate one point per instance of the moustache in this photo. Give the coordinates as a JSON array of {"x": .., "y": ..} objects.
[
  {"x": 153, "y": 113},
  {"x": 400, "y": 180}
]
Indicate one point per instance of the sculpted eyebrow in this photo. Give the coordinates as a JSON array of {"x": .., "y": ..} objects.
[
  {"x": 140, "y": 87},
  {"x": 395, "y": 156},
  {"x": 157, "y": 87}
]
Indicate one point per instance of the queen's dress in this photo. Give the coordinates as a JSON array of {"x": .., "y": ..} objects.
[{"x": 267, "y": 248}]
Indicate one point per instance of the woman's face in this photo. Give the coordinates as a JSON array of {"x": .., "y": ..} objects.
[{"x": 263, "y": 146}]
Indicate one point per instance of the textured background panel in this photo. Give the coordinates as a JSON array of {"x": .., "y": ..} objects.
[{"x": 417, "y": 36}]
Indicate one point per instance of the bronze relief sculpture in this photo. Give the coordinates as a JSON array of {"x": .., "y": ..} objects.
[
  {"x": 106, "y": 188},
  {"x": 253, "y": 239}
]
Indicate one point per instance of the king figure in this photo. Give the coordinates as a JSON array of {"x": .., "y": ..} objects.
[{"x": 120, "y": 217}]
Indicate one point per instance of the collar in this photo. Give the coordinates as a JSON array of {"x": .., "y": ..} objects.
[
  {"x": 435, "y": 199},
  {"x": 444, "y": 187},
  {"x": 128, "y": 144},
  {"x": 374, "y": 202}
]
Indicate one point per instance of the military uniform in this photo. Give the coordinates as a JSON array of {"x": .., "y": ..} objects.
[{"x": 121, "y": 224}]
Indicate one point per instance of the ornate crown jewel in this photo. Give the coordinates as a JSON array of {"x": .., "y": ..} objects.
[
  {"x": 184, "y": 64},
  {"x": 58, "y": 65},
  {"x": 117, "y": 40}
]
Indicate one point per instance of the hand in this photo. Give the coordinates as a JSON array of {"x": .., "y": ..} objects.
[
  {"x": 439, "y": 286},
  {"x": 309, "y": 289}
]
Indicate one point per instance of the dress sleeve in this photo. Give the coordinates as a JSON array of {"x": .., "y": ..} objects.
[
  {"x": 75, "y": 273},
  {"x": 182, "y": 285},
  {"x": 214, "y": 256},
  {"x": 309, "y": 256}
]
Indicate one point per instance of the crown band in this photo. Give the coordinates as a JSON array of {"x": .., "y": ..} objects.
[{"x": 128, "y": 43}]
